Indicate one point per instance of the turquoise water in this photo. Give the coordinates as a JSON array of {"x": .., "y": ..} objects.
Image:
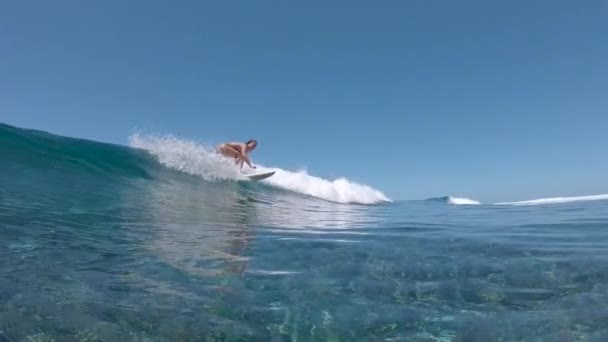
[{"x": 110, "y": 243}]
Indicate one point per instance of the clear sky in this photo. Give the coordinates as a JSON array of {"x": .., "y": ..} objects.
[{"x": 483, "y": 99}]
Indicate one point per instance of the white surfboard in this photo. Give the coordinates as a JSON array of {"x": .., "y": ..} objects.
[{"x": 261, "y": 176}]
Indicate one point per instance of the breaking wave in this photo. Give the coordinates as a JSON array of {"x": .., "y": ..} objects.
[{"x": 196, "y": 159}]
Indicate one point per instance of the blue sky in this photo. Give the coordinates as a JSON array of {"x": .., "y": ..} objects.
[{"x": 488, "y": 100}]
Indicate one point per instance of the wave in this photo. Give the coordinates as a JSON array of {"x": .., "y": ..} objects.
[
  {"x": 557, "y": 200},
  {"x": 454, "y": 200},
  {"x": 196, "y": 159},
  {"x": 340, "y": 190},
  {"x": 462, "y": 201},
  {"x": 541, "y": 201},
  {"x": 43, "y": 151}
]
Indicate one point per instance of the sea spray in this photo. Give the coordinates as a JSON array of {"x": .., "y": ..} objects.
[{"x": 197, "y": 159}]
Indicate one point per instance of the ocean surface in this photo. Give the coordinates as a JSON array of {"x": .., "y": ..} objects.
[{"x": 163, "y": 240}]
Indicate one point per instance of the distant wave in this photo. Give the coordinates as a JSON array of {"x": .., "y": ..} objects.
[
  {"x": 556, "y": 200},
  {"x": 454, "y": 200},
  {"x": 553, "y": 200},
  {"x": 462, "y": 201},
  {"x": 203, "y": 161}
]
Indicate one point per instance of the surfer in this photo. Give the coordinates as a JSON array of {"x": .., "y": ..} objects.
[{"x": 238, "y": 151}]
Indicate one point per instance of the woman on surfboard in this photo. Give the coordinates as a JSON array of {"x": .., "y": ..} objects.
[{"x": 238, "y": 151}]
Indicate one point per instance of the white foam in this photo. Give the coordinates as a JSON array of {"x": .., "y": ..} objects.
[
  {"x": 461, "y": 201},
  {"x": 196, "y": 159},
  {"x": 340, "y": 190},
  {"x": 556, "y": 200}
]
